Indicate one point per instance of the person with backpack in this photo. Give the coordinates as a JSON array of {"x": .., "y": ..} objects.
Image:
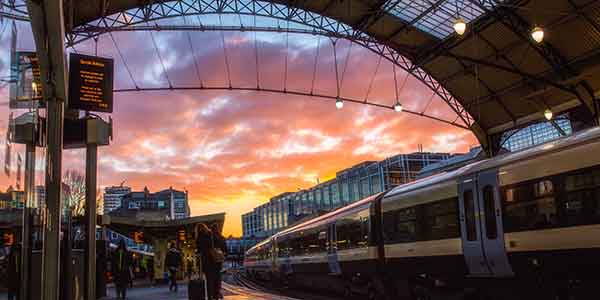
[
  {"x": 172, "y": 262},
  {"x": 120, "y": 269},
  {"x": 219, "y": 245},
  {"x": 204, "y": 246}
]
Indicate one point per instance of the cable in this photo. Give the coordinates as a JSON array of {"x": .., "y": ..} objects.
[
  {"x": 346, "y": 63},
  {"x": 312, "y": 87},
  {"x": 395, "y": 82},
  {"x": 428, "y": 103},
  {"x": 123, "y": 59},
  {"x": 373, "y": 78},
  {"x": 161, "y": 60},
  {"x": 225, "y": 53},
  {"x": 287, "y": 50},
  {"x": 337, "y": 81},
  {"x": 189, "y": 36}
]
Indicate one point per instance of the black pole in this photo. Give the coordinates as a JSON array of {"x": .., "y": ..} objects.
[
  {"x": 27, "y": 209},
  {"x": 91, "y": 159}
]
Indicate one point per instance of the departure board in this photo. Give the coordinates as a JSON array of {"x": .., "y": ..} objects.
[
  {"x": 25, "y": 87},
  {"x": 91, "y": 83}
]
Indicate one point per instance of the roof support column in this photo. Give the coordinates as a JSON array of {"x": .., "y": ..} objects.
[{"x": 47, "y": 23}]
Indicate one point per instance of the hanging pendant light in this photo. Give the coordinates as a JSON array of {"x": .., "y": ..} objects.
[
  {"x": 339, "y": 103},
  {"x": 548, "y": 114},
  {"x": 460, "y": 26},
  {"x": 398, "y": 107},
  {"x": 537, "y": 33}
]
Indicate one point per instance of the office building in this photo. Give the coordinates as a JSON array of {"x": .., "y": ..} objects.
[
  {"x": 113, "y": 196},
  {"x": 349, "y": 185},
  {"x": 169, "y": 204}
]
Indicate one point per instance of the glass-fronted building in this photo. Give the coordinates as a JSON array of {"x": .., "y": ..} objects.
[{"x": 349, "y": 185}]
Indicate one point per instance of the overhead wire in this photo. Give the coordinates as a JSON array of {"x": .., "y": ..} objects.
[
  {"x": 346, "y": 63},
  {"x": 189, "y": 37},
  {"x": 312, "y": 87},
  {"x": 161, "y": 60},
  {"x": 287, "y": 50},
  {"x": 337, "y": 79},
  {"x": 256, "y": 56},
  {"x": 225, "y": 53},
  {"x": 373, "y": 78},
  {"x": 112, "y": 38}
]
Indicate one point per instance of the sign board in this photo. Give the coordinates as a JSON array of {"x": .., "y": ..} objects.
[
  {"x": 9, "y": 239},
  {"x": 91, "y": 83},
  {"x": 25, "y": 88},
  {"x": 138, "y": 237}
]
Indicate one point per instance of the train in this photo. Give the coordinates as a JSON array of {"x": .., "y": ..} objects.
[{"x": 521, "y": 225}]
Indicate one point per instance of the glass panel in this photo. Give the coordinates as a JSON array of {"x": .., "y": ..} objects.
[
  {"x": 470, "y": 220},
  {"x": 489, "y": 205}
]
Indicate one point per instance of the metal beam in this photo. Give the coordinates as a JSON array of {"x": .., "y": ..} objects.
[
  {"x": 288, "y": 92},
  {"x": 47, "y": 23}
]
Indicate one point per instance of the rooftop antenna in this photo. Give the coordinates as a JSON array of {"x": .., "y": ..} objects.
[{"x": 122, "y": 182}]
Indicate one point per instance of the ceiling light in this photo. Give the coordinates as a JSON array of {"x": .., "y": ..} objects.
[
  {"x": 460, "y": 26},
  {"x": 537, "y": 34},
  {"x": 398, "y": 107},
  {"x": 548, "y": 114},
  {"x": 339, "y": 103}
]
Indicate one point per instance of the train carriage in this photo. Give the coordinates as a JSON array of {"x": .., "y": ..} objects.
[{"x": 524, "y": 219}]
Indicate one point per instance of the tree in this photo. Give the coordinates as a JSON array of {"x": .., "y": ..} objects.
[{"x": 74, "y": 192}]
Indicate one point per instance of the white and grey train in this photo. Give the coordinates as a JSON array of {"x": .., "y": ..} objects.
[{"x": 522, "y": 225}]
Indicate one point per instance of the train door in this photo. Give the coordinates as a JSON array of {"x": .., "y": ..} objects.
[
  {"x": 332, "y": 257},
  {"x": 470, "y": 228},
  {"x": 493, "y": 229},
  {"x": 481, "y": 226}
]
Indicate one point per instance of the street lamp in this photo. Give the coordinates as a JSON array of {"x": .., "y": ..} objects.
[
  {"x": 537, "y": 33},
  {"x": 460, "y": 26},
  {"x": 339, "y": 103}
]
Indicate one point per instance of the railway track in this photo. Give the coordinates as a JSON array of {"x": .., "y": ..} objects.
[{"x": 237, "y": 279}]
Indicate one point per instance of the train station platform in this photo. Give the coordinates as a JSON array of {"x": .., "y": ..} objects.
[{"x": 230, "y": 292}]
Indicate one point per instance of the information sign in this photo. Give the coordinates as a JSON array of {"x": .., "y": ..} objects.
[
  {"x": 91, "y": 83},
  {"x": 25, "y": 87}
]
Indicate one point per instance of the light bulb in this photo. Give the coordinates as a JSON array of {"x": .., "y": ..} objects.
[
  {"x": 398, "y": 107},
  {"x": 34, "y": 88},
  {"x": 537, "y": 34},
  {"x": 548, "y": 114},
  {"x": 339, "y": 103},
  {"x": 460, "y": 26}
]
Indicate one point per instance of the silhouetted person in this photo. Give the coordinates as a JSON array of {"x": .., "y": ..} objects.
[
  {"x": 121, "y": 269},
  {"x": 218, "y": 243},
  {"x": 204, "y": 242},
  {"x": 14, "y": 272},
  {"x": 172, "y": 262}
]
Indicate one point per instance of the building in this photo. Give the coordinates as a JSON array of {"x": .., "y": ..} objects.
[
  {"x": 169, "y": 204},
  {"x": 113, "y": 196},
  {"x": 349, "y": 185}
]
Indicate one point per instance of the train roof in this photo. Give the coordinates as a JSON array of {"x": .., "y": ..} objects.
[
  {"x": 582, "y": 137},
  {"x": 330, "y": 215}
]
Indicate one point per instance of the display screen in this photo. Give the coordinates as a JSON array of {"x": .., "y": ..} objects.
[{"x": 90, "y": 83}]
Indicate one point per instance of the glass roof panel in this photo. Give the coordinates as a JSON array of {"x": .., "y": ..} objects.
[{"x": 436, "y": 17}]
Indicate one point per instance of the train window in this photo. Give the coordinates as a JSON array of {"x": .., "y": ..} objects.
[
  {"x": 441, "y": 220},
  {"x": 469, "y": 203},
  {"x": 489, "y": 206},
  {"x": 530, "y": 206},
  {"x": 581, "y": 204},
  {"x": 352, "y": 232}
]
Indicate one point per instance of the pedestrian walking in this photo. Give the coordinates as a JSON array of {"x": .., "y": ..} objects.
[
  {"x": 120, "y": 270},
  {"x": 172, "y": 262},
  {"x": 218, "y": 244},
  {"x": 204, "y": 246},
  {"x": 14, "y": 272}
]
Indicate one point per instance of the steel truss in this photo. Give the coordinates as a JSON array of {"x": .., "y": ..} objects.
[
  {"x": 152, "y": 12},
  {"x": 288, "y": 92}
]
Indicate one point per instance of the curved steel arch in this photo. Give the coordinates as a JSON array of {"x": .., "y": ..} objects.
[
  {"x": 288, "y": 92},
  {"x": 152, "y": 12}
]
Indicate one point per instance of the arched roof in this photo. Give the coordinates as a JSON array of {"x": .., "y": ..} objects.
[{"x": 499, "y": 75}]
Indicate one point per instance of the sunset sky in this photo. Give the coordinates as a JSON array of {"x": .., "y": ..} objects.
[{"x": 234, "y": 150}]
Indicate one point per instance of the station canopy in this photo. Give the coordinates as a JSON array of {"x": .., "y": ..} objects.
[{"x": 496, "y": 71}]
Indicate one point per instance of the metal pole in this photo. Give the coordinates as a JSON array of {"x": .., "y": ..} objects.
[
  {"x": 47, "y": 24},
  {"x": 91, "y": 159},
  {"x": 29, "y": 204}
]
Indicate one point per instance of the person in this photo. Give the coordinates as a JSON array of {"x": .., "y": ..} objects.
[
  {"x": 172, "y": 262},
  {"x": 120, "y": 269},
  {"x": 14, "y": 272},
  {"x": 208, "y": 265},
  {"x": 218, "y": 243}
]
